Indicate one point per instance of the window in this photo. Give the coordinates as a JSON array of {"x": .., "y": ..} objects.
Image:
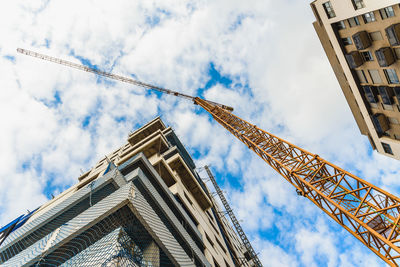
[
  {"x": 380, "y": 123},
  {"x": 354, "y": 59},
  {"x": 361, "y": 40},
  {"x": 369, "y": 17},
  {"x": 387, "y": 148},
  {"x": 375, "y": 77},
  {"x": 393, "y": 120},
  {"x": 391, "y": 76},
  {"x": 386, "y": 12},
  {"x": 367, "y": 56},
  {"x": 361, "y": 76},
  {"x": 340, "y": 25},
  {"x": 385, "y": 56},
  {"x": 358, "y": 4},
  {"x": 370, "y": 94},
  {"x": 392, "y": 34},
  {"x": 353, "y": 22},
  {"x": 347, "y": 41},
  {"x": 386, "y": 95},
  {"x": 376, "y": 36},
  {"x": 329, "y": 10}
]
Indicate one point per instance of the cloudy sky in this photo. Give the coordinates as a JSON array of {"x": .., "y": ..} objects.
[{"x": 261, "y": 57}]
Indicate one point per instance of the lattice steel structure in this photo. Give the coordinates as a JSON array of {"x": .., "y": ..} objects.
[
  {"x": 251, "y": 254},
  {"x": 366, "y": 211}
]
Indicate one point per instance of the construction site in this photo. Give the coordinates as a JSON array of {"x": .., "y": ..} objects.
[{"x": 147, "y": 203}]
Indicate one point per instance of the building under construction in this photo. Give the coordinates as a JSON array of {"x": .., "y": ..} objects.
[{"x": 142, "y": 205}]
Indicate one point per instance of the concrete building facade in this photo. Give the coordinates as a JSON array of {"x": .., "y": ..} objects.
[
  {"x": 361, "y": 39},
  {"x": 142, "y": 205}
]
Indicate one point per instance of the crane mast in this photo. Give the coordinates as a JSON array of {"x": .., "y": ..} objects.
[
  {"x": 249, "y": 249},
  {"x": 368, "y": 212}
]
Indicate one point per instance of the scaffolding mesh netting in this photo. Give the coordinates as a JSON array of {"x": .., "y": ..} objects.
[
  {"x": 118, "y": 240},
  {"x": 55, "y": 223}
]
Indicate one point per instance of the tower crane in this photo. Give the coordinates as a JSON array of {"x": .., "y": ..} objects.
[{"x": 368, "y": 212}]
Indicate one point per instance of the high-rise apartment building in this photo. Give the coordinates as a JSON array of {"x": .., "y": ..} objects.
[
  {"x": 142, "y": 205},
  {"x": 362, "y": 41}
]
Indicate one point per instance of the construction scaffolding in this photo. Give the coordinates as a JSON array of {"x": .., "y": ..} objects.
[{"x": 118, "y": 240}]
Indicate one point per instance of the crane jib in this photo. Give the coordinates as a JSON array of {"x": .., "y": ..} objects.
[{"x": 113, "y": 76}]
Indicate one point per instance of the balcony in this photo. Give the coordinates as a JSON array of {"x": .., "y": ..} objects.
[
  {"x": 386, "y": 94},
  {"x": 385, "y": 56},
  {"x": 381, "y": 123},
  {"x": 361, "y": 40},
  {"x": 397, "y": 93},
  {"x": 354, "y": 59},
  {"x": 393, "y": 33},
  {"x": 370, "y": 93}
]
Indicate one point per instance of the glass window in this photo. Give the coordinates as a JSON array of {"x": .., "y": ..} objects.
[
  {"x": 347, "y": 41},
  {"x": 361, "y": 76},
  {"x": 358, "y": 4},
  {"x": 385, "y": 95},
  {"x": 386, "y": 12},
  {"x": 376, "y": 36},
  {"x": 367, "y": 56},
  {"x": 376, "y": 78},
  {"x": 387, "y": 148},
  {"x": 340, "y": 25},
  {"x": 329, "y": 9},
  {"x": 391, "y": 34},
  {"x": 353, "y": 22},
  {"x": 369, "y": 17},
  {"x": 370, "y": 93},
  {"x": 391, "y": 76}
]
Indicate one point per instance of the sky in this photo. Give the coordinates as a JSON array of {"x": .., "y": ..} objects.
[{"x": 261, "y": 57}]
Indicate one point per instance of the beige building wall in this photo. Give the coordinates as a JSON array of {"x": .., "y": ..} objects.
[
  {"x": 333, "y": 41},
  {"x": 151, "y": 140}
]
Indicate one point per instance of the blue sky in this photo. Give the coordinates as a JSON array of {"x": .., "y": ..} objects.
[{"x": 58, "y": 121}]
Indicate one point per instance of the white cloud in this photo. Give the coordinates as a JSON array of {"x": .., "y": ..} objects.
[
  {"x": 272, "y": 255},
  {"x": 261, "y": 45},
  {"x": 316, "y": 246}
]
